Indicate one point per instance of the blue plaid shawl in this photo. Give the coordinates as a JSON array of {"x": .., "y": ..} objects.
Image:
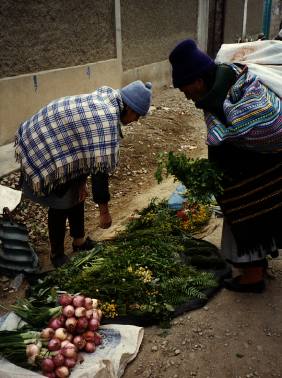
[{"x": 70, "y": 137}]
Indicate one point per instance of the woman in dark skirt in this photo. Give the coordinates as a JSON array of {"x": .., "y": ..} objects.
[{"x": 244, "y": 138}]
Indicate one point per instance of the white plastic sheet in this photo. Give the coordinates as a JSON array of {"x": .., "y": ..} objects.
[
  {"x": 9, "y": 198},
  {"x": 120, "y": 345},
  {"x": 263, "y": 58}
]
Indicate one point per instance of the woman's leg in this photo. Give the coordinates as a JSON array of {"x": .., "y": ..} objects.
[
  {"x": 252, "y": 266},
  {"x": 77, "y": 232},
  {"x": 57, "y": 229},
  {"x": 76, "y": 221}
]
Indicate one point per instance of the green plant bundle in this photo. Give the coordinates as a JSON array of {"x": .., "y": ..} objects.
[
  {"x": 157, "y": 217},
  {"x": 13, "y": 345},
  {"x": 201, "y": 178},
  {"x": 35, "y": 316}
]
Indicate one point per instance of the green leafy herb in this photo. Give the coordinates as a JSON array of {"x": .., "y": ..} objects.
[{"x": 201, "y": 178}]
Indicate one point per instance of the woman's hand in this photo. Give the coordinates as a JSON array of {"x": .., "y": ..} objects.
[{"x": 105, "y": 216}]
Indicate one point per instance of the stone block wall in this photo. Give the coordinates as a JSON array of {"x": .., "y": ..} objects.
[
  {"x": 38, "y": 35},
  {"x": 151, "y": 28}
]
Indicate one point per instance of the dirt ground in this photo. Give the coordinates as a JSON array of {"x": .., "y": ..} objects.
[{"x": 234, "y": 335}]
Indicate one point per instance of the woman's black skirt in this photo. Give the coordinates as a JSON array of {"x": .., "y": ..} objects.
[{"x": 252, "y": 198}]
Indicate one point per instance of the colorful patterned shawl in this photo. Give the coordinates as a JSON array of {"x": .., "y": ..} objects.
[
  {"x": 254, "y": 117},
  {"x": 69, "y": 137}
]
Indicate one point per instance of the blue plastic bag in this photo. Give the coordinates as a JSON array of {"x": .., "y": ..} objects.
[{"x": 175, "y": 201}]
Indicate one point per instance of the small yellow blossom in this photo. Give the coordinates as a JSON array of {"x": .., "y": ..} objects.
[
  {"x": 109, "y": 309},
  {"x": 146, "y": 275}
]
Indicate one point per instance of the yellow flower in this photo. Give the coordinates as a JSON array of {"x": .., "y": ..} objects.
[
  {"x": 145, "y": 274},
  {"x": 109, "y": 310}
]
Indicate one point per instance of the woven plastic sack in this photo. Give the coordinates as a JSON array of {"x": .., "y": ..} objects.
[
  {"x": 263, "y": 58},
  {"x": 16, "y": 254}
]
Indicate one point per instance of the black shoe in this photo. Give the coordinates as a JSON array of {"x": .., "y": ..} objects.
[
  {"x": 86, "y": 246},
  {"x": 274, "y": 254},
  {"x": 59, "y": 260},
  {"x": 233, "y": 284}
]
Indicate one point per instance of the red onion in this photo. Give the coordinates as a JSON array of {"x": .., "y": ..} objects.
[
  {"x": 94, "y": 303},
  {"x": 55, "y": 323},
  {"x": 62, "y": 319},
  {"x": 80, "y": 311},
  {"x": 54, "y": 344},
  {"x": 81, "y": 325},
  {"x": 89, "y": 347},
  {"x": 47, "y": 365},
  {"x": 65, "y": 343},
  {"x": 70, "y": 362},
  {"x": 70, "y": 345},
  {"x": 32, "y": 350},
  {"x": 68, "y": 311},
  {"x": 88, "y": 303},
  {"x": 50, "y": 375},
  {"x": 95, "y": 314},
  {"x": 79, "y": 342},
  {"x": 62, "y": 372},
  {"x": 70, "y": 324},
  {"x": 100, "y": 314},
  {"x": 78, "y": 301},
  {"x": 98, "y": 339},
  {"x": 89, "y": 314},
  {"x": 31, "y": 360},
  {"x": 93, "y": 324},
  {"x": 47, "y": 333},
  {"x": 69, "y": 337},
  {"x": 65, "y": 299},
  {"x": 61, "y": 334},
  {"x": 69, "y": 351},
  {"x": 59, "y": 360},
  {"x": 89, "y": 336}
]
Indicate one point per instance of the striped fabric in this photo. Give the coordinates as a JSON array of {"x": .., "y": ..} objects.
[
  {"x": 254, "y": 117},
  {"x": 69, "y": 137},
  {"x": 253, "y": 208}
]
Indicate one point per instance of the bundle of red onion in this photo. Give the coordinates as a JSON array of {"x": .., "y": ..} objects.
[{"x": 70, "y": 333}]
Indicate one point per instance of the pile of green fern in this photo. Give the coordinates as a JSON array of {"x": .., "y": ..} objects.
[{"x": 141, "y": 272}]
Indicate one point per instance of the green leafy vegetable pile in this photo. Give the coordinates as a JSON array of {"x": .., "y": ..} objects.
[{"x": 140, "y": 273}]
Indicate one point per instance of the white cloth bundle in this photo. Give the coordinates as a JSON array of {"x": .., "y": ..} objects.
[{"x": 263, "y": 58}]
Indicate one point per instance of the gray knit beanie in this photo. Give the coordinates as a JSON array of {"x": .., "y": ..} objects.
[{"x": 137, "y": 96}]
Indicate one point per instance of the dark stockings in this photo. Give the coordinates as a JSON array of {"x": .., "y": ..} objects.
[{"x": 57, "y": 226}]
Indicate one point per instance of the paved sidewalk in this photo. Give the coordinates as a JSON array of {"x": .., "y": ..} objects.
[{"x": 8, "y": 162}]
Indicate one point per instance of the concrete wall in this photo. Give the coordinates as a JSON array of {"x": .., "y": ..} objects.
[
  {"x": 41, "y": 35},
  {"x": 151, "y": 28},
  {"x": 276, "y": 18},
  {"x": 22, "y": 96},
  {"x": 233, "y": 20},
  {"x": 254, "y": 18}
]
